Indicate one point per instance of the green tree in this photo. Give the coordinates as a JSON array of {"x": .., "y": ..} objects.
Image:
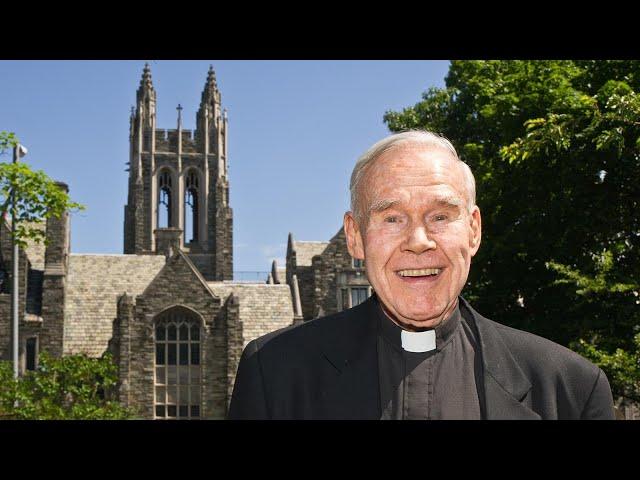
[
  {"x": 37, "y": 196},
  {"x": 74, "y": 387},
  {"x": 554, "y": 146}
]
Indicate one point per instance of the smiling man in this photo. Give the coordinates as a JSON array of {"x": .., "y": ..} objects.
[{"x": 416, "y": 349}]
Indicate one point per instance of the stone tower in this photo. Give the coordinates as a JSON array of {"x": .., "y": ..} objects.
[{"x": 178, "y": 184}]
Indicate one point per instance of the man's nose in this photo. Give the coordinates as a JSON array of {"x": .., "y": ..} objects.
[{"x": 418, "y": 241}]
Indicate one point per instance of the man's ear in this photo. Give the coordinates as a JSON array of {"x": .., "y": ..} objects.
[
  {"x": 355, "y": 245},
  {"x": 476, "y": 230}
]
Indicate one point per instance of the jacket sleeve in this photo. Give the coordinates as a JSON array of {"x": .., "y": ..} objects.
[
  {"x": 248, "y": 401},
  {"x": 599, "y": 406}
]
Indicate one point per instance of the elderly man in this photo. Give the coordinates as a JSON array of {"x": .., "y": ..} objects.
[{"x": 415, "y": 349}]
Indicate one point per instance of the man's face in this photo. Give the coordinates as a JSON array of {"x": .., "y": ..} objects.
[{"x": 417, "y": 236}]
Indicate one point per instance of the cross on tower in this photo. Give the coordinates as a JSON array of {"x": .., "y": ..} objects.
[{"x": 179, "y": 108}]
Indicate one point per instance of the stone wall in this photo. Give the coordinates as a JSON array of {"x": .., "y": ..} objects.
[
  {"x": 54, "y": 284},
  {"x": 323, "y": 269},
  {"x": 6, "y": 326},
  {"x": 234, "y": 345},
  {"x": 178, "y": 284}
]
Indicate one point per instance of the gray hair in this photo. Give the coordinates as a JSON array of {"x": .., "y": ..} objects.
[{"x": 415, "y": 137}]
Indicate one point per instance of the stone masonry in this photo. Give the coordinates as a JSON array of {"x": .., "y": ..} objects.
[
  {"x": 93, "y": 303},
  {"x": 325, "y": 274}
]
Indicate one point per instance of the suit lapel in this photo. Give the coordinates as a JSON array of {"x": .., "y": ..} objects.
[
  {"x": 507, "y": 390},
  {"x": 354, "y": 390}
]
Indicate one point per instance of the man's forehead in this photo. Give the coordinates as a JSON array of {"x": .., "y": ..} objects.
[
  {"x": 425, "y": 169},
  {"x": 418, "y": 157},
  {"x": 417, "y": 166}
]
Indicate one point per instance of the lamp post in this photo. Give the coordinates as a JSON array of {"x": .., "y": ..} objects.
[{"x": 18, "y": 152}]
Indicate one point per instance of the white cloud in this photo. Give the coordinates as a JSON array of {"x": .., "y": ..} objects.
[{"x": 270, "y": 251}]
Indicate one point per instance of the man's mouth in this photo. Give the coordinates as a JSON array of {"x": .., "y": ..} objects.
[{"x": 423, "y": 272}]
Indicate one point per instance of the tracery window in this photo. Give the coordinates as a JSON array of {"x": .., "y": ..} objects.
[{"x": 178, "y": 379}]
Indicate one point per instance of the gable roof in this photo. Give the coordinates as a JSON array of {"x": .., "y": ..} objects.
[
  {"x": 305, "y": 251},
  {"x": 94, "y": 283},
  {"x": 263, "y": 307},
  {"x": 178, "y": 257}
]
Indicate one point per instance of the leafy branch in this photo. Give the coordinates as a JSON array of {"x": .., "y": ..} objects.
[{"x": 37, "y": 197}]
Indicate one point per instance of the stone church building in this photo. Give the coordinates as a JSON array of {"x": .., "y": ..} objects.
[
  {"x": 323, "y": 277},
  {"x": 168, "y": 308}
]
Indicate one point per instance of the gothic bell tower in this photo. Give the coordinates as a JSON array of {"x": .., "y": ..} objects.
[{"x": 178, "y": 183}]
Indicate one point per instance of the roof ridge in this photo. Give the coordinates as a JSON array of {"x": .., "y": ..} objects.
[{"x": 114, "y": 255}]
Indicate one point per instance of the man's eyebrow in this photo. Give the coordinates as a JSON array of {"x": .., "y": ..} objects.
[
  {"x": 386, "y": 203},
  {"x": 449, "y": 200},
  {"x": 382, "y": 205}
]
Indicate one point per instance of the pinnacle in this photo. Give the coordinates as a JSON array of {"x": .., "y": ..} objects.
[
  {"x": 211, "y": 77},
  {"x": 146, "y": 76}
]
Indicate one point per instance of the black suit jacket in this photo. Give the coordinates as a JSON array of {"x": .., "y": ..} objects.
[{"x": 327, "y": 368}]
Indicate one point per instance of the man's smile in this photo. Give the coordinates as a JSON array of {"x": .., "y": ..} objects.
[
  {"x": 419, "y": 276},
  {"x": 419, "y": 272}
]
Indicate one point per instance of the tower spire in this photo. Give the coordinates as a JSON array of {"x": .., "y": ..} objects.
[
  {"x": 211, "y": 78},
  {"x": 145, "y": 81},
  {"x": 146, "y": 98},
  {"x": 208, "y": 116},
  {"x": 210, "y": 94}
]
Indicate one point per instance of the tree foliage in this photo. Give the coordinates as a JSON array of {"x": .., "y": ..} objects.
[
  {"x": 37, "y": 196},
  {"x": 74, "y": 387},
  {"x": 554, "y": 146}
]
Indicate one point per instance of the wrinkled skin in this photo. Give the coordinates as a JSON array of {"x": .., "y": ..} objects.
[{"x": 428, "y": 225}]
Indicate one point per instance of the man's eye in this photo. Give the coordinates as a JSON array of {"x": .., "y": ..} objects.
[
  {"x": 440, "y": 218},
  {"x": 391, "y": 219}
]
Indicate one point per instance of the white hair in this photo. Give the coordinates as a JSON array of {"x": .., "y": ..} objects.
[{"x": 414, "y": 137}]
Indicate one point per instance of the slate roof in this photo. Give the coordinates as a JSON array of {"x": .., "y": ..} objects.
[
  {"x": 263, "y": 307},
  {"x": 305, "y": 251},
  {"x": 94, "y": 284}
]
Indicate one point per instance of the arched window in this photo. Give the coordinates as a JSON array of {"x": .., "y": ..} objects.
[
  {"x": 177, "y": 366},
  {"x": 191, "y": 207},
  {"x": 164, "y": 199}
]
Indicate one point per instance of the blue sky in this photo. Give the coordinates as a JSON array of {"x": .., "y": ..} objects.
[{"x": 295, "y": 131}]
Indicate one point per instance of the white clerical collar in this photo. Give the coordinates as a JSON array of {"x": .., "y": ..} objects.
[{"x": 418, "y": 341}]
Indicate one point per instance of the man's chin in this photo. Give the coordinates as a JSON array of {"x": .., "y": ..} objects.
[
  {"x": 419, "y": 323},
  {"x": 419, "y": 319}
]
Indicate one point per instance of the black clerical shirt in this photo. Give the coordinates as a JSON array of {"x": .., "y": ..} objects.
[{"x": 436, "y": 385}]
